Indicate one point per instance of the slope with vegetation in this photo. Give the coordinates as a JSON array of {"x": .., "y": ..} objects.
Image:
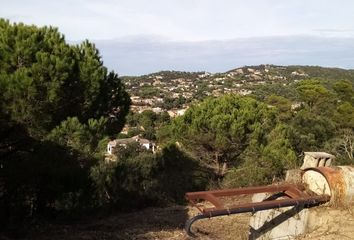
[
  {"x": 253, "y": 141},
  {"x": 168, "y": 90}
]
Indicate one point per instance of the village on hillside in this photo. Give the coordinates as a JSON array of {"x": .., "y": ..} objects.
[{"x": 173, "y": 92}]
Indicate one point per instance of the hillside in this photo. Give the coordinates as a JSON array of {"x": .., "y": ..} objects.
[{"x": 166, "y": 90}]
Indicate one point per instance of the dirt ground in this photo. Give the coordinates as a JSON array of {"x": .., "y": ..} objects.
[
  {"x": 148, "y": 224},
  {"x": 328, "y": 223},
  {"x": 167, "y": 223}
]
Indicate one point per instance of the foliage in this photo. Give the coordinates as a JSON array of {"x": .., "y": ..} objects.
[
  {"x": 261, "y": 92},
  {"x": 38, "y": 177},
  {"x": 313, "y": 93},
  {"x": 80, "y": 137},
  {"x": 146, "y": 123},
  {"x": 217, "y": 131},
  {"x": 179, "y": 173},
  {"x": 283, "y": 105},
  {"x": 58, "y": 104},
  {"x": 344, "y": 90},
  {"x": 148, "y": 91},
  {"x": 170, "y": 103},
  {"x": 309, "y": 131},
  {"x": 342, "y": 145},
  {"x": 344, "y": 116},
  {"x": 264, "y": 164},
  {"x": 140, "y": 178},
  {"x": 46, "y": 80}
]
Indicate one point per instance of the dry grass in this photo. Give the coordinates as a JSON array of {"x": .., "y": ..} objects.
[
  {"x": 148, "y": 224},
  {"x": 327, "y": 223}
]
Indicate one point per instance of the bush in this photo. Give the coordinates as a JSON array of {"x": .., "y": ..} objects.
[{"x": 140, "y": 178}]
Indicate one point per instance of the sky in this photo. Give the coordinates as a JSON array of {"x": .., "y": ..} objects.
[{"x": 173, "y": 23}]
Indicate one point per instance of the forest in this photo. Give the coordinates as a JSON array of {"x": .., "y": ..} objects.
[{"x": 59, "y": 107}]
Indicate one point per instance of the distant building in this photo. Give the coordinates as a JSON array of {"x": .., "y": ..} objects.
[
  {"x": 157, "y": 110},
  {"x": 177, "y": 112},
  {"x": 244, "y": 92},
  {"x": 296, "y": 106},
  {"x": 172, "y": 113},
  {"x": 302, "y": 74},
  {"x": 159, "y": 99},
  {"x": 112, "y": 145},
  {"x": 181, "y": 112},
  {"x": 204, "y": 75},
  {"x": 125, "y": 130}
]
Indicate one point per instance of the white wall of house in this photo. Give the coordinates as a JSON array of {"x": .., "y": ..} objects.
[
  {"x": 109, "y": 149},
  {"x": 148, "y": 146}
]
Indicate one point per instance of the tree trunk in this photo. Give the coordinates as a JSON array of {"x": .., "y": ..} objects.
[
  {"x": 217, "y": 163},
  {"x": 224, "y": 168}
]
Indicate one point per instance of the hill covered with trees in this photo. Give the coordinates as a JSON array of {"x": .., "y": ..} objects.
[
  {"x": 169, "y": 90},
  {"x": 257, "y": 129}
]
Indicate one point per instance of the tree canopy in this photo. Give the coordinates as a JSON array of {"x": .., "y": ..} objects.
[
  {"x": 57, "y": 104},
  {"x": 47, "y": 80},
  {"x": 218, "y": 130}
]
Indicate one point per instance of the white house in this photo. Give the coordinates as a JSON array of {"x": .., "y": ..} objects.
[{"x": 125, "y": 141}]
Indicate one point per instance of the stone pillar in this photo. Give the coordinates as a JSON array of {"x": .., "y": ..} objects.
[
  {"x": 280, "y": 224},
  {"x": 317, "y": 159}
]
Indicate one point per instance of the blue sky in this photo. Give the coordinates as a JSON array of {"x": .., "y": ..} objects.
[{"x": 187, "y": 21}]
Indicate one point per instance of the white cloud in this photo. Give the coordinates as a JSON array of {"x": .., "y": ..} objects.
[
  {"x": 141, "y": 56},
  {"x": 184, "y": 19}
]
